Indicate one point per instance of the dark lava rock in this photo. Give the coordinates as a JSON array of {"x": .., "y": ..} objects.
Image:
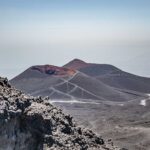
[{"x": 28, "y": 123}]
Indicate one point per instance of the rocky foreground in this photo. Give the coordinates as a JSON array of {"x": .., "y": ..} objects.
[{"x": 28, "y": 123}]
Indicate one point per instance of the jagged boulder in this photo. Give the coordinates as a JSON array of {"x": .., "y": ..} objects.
[{"x": 28, "y": 123}]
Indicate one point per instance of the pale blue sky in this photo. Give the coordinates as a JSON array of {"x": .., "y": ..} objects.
[{"x": 56, "y": 31}]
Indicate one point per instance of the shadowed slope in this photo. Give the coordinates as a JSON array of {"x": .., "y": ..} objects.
[{"x": 112, "y": 76}]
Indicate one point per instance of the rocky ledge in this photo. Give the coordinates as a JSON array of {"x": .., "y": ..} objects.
[{"x": 28, "y": 123}]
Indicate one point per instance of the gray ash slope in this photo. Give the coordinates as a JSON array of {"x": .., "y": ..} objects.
[
  {"x": 29, "y": 123},
  {"x": 69, "y": 86},
  {"x": 120, "y": 113},
  {"x": 112, "y": 76}
]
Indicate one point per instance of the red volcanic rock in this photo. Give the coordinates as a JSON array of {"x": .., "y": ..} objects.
[
  {"x": 76, "y": 64},
  {"x": 54, "y": 70}
]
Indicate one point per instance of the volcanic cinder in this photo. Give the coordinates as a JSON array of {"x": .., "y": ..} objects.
[{"x": 102, "y": 97}]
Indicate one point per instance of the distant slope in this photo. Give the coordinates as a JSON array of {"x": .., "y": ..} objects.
[
  {"x": 62, "y": 83},
  {"x": 112, "y": 76}
]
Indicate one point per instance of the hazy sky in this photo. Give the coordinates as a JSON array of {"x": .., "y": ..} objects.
[{"x": 56, "y": 31}]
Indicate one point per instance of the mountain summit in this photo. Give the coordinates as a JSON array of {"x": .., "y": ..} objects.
[
  {"x": 76, "y": 64},
  {"x": 91, "y": 69},
  {"x": 67, "y": 83},
  {"x": 112, "y": 76}
]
